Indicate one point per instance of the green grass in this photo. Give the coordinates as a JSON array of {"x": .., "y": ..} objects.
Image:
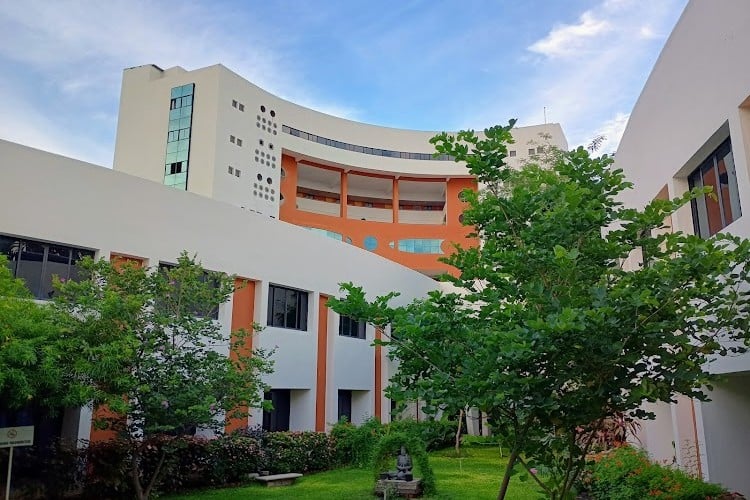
[{"x": 472, "y": 478}]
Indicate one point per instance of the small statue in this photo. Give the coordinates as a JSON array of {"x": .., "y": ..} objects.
[{"x": 404, "y": 466}]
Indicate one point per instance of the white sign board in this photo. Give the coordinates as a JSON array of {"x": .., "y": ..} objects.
[{"x": 16, "y": 436}]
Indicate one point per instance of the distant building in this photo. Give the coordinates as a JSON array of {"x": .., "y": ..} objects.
[{"x": 213, "y": 133}]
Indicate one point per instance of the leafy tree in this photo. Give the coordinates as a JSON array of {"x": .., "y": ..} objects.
[
  {"x": 552, "y": 333},
  {"x": 153, "y": 353},
  {"x": 35, "y": 353}
]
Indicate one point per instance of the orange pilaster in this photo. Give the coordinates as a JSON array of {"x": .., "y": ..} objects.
[
  {"x": 378, "y": 375},
  {"x": 243, "y": 312},
  {"x": 344, "y": 193},
  {"x": 395, "y": 200},
  {"x": 103, "y": 413},
  {"x": 322, "y": 365}
]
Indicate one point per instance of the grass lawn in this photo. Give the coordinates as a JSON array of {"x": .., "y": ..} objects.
[{"x": 475, "y": 477}]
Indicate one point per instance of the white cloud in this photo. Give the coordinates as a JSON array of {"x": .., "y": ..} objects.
[
  {"x": 588, "y": 75},
  {"x": 568, "y": 39},
  {"x": 611, "y": 130},
  {"x": 76, "y": 51}
]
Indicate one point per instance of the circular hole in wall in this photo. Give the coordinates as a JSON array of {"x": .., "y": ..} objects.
[
  {"x": 262, "y": 109},
  {"x": 273, "y": 113},
  {"x": 371, "y": 243}
]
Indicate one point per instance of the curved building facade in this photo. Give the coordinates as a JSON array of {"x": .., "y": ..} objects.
[{"x": 213, "y": 133}]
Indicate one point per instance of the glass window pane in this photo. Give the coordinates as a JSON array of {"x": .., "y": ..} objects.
[
  {"x": 58, "y": 264},
  {"x": 186, "y": 111},
  {"x": 184, "y": 123},
  {"x": 30, "y": 266},
  {"x": 176, "y": 92}
]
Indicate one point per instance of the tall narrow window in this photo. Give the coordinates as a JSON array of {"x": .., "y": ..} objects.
[
  {"x": 713, "y": 213},
  {"x": 178, "y": 136},
  {"x": 287, "y": 308},
  {"x": 345, "y": 404},
  {"x": 277, "y": 419}
]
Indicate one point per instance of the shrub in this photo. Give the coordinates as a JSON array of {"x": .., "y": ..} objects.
[
  {"x": 627, "y": 474},
  {"x": 435, "y": 434},
  {"x": 354, "y": 445},
  {"x": 234, "y": 457},
  {"x": 299, "y": 451}
]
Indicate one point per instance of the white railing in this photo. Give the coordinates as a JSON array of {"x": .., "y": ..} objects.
[
  {"x": 370, "y": 213},
  {"x": 420, "y": 217},
  {"x": 318, "y": 207}
]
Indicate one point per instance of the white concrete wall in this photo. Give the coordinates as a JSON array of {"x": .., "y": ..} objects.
[
  {"x": 697, "y": 95},
  {"x": 141, "y": 135},
  {"x": 725, "y": 422},
  {"x": 108, "y": 211}
]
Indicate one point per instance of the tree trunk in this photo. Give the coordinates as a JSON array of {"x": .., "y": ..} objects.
[
  {"x": 458, "y": 432},
  {"x": 134, "y": 474},
  {"x": 508, "y": 470}
]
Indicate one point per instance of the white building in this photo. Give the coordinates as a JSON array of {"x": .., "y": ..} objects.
[
  {"x": 691, "y": 127},
  {"x": 249, "y": 168}
]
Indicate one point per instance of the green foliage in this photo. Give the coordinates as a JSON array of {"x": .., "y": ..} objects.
[
  {"x": 434, "y": 434},
  {"x": 299, "y": 451},
  {"x": 551, "y": 334},
  {"x": 37, "y": 356},
  {"x": 355, "y": 444},
  {"x": 627, "y": 474},
  {"x": 149, "y": 349},
  {"x": 234, "y": 456},
  {"x": 387, "y": 450}
]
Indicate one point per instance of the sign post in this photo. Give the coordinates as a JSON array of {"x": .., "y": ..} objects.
[{"x": 10, "y": 437}]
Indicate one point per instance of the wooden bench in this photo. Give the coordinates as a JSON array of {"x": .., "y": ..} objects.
[{"x": 279, "y": 479}]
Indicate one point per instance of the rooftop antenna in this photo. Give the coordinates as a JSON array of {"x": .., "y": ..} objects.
[{"x": 545, "y": 115}]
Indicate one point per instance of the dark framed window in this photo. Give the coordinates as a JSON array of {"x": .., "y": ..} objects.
[
  {"x": 287, "y": 308},
  {"x": 277, "y": 419},
  {"x": 349, "y": 327},
  {"x": 199, "y": 310},
  {"x": 37, "y": 262},
  {"x": 714, "y": 213},
  {"x": 345, "y": 404}
]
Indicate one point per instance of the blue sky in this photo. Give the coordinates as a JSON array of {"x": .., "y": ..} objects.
[{"x": 421, "y": 64}]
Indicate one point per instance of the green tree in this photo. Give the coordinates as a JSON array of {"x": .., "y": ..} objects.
[
  {"x": 153, "y": 352},
  {"x": 35, "y": 353},
  {"x": 556, "y": 334}
]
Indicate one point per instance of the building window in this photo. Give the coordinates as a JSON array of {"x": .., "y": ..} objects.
[
  {"x": 239, "y": 141},
  {"x": 712, "y": 214},
  {"x": 232, "y": 139},
  {"x": 512, "y": 153},
  {"x": 36, "y": 263},
  {"x": 531, "y": 151},
  {"x": 178, "y": 136},
  {"x": 349, "y": 327},
  {"x": 238, "y": 172},
  {"x": 420, "y": 245},
  {"x": 242, "y": 107},
  {"x": 230, "y": 169},
  {"x": 287, "y": 308},
  {"x": 234, "y": 103},
  {"x": 345, "y": 405},
  {"x": 277, "y": 419}
]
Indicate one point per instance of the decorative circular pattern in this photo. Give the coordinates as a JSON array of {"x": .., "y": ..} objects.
[{"x": 371, "y": 243}]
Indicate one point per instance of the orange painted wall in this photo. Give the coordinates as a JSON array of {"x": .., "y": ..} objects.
[
  {"x": 386, "y": 232},
  {"x": 322, "y": 365},
  {"x": 103, "y": 412},
  {"x": 243, "y": 312}
]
